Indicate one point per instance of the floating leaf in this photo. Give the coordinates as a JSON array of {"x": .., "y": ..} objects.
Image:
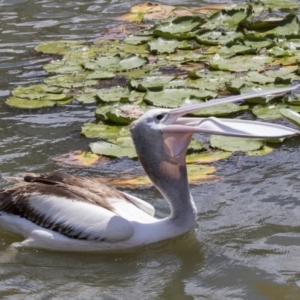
[
  {"x": 103, "y": 131},
  {"x": 119, "y": 148},
  {"x": 132, "y": 62},
  {"x": 268, "y": 112},
  {"x": 153, "y": 83},
  {"x": 28, "y": 104},
  {"x": 220, "y": 110},
  {"x": 59, "y": 47},
  {"x": 176, "y": 97},
  {"x": 81, "y": 159},
  {"x": 291, "y": 115},
  {"x": 178, "y": 26},
  {"x": 119, "y": 113},
  {"x": 235, "y": 144},
  {"x": 207, "y": 157},
  {"x": 239, "y": 63},
  {"x": 162, "y": 45},
  {"x": 114, "y": 94},
  {"x": 266, "y": 150}
]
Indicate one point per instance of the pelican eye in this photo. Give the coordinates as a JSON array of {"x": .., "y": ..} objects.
[{"x": 159, "y": 117}]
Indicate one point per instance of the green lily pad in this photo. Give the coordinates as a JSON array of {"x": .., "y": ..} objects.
[
  {"x": 114, "y": 94},
  {"x": 101, "y": 75},
  {"x": 239, "y": 63},
  {"x": 228, "y": 18},
  {"x": 118, "y": 148},
  {"x": 29, "y": 104},
  {"x": 269, "y": 112},
  {"x": 59, "y": 47},
  {"x": 178, "y": 26},
  {"x": 153, "y": 83},
  {"x": 172, "y": 98},
  {"x": 220, "y": 110},
  {"x": 207, "y": 157},
  {"x": 119, "y": 113},
  {"x": 291, "y": 115},
  {"x": 280, "y": 4},
  {"x": 132, "y": 62},
  {"x": 103, "y": 131},
  {"x": 137, "y": 39},
  {"x": 86, "y": 98},
  {"x": 235, "y": 144},
  {"x": 162, "y": 45}
]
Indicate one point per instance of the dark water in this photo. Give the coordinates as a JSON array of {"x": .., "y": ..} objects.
[{"x": 247, "y": 243}]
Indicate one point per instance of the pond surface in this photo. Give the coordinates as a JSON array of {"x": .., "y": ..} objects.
[{"x": 247, "y": 242}]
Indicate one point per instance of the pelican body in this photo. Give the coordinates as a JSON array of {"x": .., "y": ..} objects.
[{"x": 61, "y": 212}]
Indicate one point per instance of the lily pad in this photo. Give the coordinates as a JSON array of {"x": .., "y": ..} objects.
[
  {"x": 239, "y": 63},
  {"x": 178, "y": 26},
  {"x": 269, "y": 112},
  {"x": 120, "y": 148},
  {"x": 235, "y": 144},
  {"x": 81, "y": 159},
  {"x": 59, "y": 47},
  {"x": 291, "y": 115},
  {"x": 162, "y": 45},
  {"x": 119, "y": 113},
  {"x": 29, "y": 104},
  {"x": 172, "y": 98},
  {"x": 207, "y": 157},
  {"x": 114, "y": 94},
  {"x": 153, "y": 83},
  {"x": 132, "y": 62},
  {"x": 220, "y": 110}
]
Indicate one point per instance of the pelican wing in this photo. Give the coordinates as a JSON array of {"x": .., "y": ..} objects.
[{"x": 75, "y": 207}]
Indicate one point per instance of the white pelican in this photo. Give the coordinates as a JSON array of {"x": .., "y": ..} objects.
[{"x": 61, "y": 212}]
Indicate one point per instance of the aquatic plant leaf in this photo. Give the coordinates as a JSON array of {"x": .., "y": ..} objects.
[
  {"x": 114, "y": 94},
  {"x": 220, "y": 110},
  {"x": 173, "y": 28},
  {"x": 228, "y": 18},
  {"x": 81, "y": 159},
  {"x": 137, "y": 39},
  {"x": 280, "y": 4},
  {"x": 59, "y": 47},
  {"x": 103, "y": 131},
  {"x": 69, "y": 81},
  {"x": 28, "y": 104},
  {"x": 36, "y": 91},
  {"x": 123, "y": 148},
  {"x": 162, "y": 45},
  {"x": 239, "y": 63},
  {"x": 291, "y": 115},
  {"x": 119, "y": 113},
  {"x": 86, "y": 98},
  {"x": 101, "y": 75},
  {"x": 197, "y": 174},
  {"x": 218, "y": 37},
  {"x": 288, "y": 26},
  {"x": 235, "y": 144},
  {"x": 195, "y": 146},
  {"x": 266, "y": 150},
  {"x": 152, "y": 82},
  {"x": 171, "y": 98},
  {"x": 207, "y": 157},
  {"x": 235, "y": 50},
  {"x": 269, "y": 112},
  {"x": 132, "y": 62}
]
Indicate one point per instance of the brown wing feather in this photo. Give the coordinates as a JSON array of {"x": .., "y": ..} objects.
[{"x": 14, "y": 200}]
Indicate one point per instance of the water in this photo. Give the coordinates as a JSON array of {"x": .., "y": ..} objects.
[{"x": 247, "y": 242}]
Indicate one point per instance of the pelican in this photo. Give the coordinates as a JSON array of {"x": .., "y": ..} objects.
[{"x": 62, "y": 212}]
